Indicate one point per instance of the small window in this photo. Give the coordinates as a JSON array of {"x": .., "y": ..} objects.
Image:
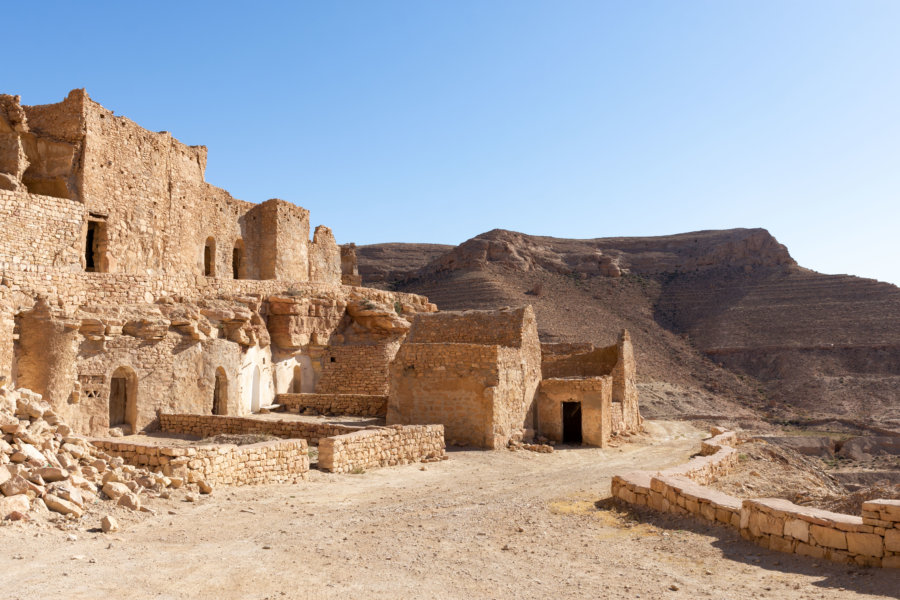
[{"x": 333, "y": 359}]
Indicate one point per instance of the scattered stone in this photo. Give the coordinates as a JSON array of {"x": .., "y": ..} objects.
[{"x": 109, "y": 524}]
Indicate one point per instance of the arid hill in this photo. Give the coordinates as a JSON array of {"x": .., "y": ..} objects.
[{"x": 722, "y": 320}]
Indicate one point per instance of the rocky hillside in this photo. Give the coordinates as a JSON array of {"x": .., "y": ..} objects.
[{"x": 722, "y": 320}]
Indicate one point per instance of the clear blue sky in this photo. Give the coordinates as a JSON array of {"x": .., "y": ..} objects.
[{"x": 433, "y": 121}]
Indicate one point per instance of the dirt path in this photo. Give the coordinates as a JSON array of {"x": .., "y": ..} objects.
[{"x": 480, "y": 525}]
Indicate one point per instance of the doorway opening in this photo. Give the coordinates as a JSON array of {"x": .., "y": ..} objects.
[
  {"x": 220, "y": 393},
  {"x": 209, "y": 258},
  {"x": 123, "y": 399},
  {"x": 95, "y": 243},
  {"x": 237, "y": 260},
  {"x": 571, "y": 413},
  {"x": 296, "y": 386}
]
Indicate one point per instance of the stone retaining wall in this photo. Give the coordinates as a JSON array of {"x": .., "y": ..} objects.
[
  {"x": 209, "y": 425},
  {"x": 381, "y": 447},
  {"x": 281, "y": 461},
  {"x": 871, "y": 540},
  {"x": 338, "y": 404}
]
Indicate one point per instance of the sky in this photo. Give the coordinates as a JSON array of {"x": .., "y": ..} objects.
[{"x": 430, "y": 121}]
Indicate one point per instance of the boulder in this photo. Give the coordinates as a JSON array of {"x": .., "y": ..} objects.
[
  {"x": 57, "y": 504},
  {"x": 130, "y": 500},
  {"x": 109, "y": 524},
  {"x": 10, "y": 504},
  {"x": 115, "y": 490}
]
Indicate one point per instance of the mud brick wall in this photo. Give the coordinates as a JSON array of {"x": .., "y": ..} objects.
[
  {"x": 357, "y": 369},
  {"x": 381, "y": 447},
  {"x": 282, "y": 461},
  {"x": 338, "y": 404},
  {"x": 209, "y": 425},
  {"x": 780, "y": 525}
]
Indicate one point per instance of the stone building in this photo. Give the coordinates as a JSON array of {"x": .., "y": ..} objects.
[
  {"x": 487, "y": 378},
  {"x": 588, "y": 394},
  {"x": 129, "y": 285}
]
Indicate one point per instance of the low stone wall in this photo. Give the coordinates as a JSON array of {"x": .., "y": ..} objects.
[
  {"x": 871, "y": 540},
  {"x": 381, "y": 447},
  {"x": 281, "y": 461},
  {"x": 338, "y": 404},
  {"x": 209, "y": 425}
]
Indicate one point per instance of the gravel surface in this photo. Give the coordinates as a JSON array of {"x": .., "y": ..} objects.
[{"x": 479, "y": 525}]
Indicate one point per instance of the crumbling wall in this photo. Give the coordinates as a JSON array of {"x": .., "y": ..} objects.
[
  {"x": 278, "y": 238},
  {"x": 624, "y": 392},
  {"x": 349, "y": 266},
  {"x": 577, "y": 360},
  {"x": 13, "y": 161},
  {"x": 324, "y": 258}
]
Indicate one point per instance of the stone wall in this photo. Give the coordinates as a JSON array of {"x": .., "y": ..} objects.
[
  {"x": 356, "y": 368},
  {"x": 488, "y": 327},
  {"x": 381, "y": 447},
  {"x": 40, "y": 232},
  {"x": 338, "y": 404},
  {"x": 870, "y": 540},
  {"x": 205, "y": 426},
  {"x": 282, "y": 461}
]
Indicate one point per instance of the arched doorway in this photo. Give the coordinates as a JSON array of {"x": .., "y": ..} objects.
[
  {"x": 123, "y": 399},
  {"x": 296, "y": 386},
  {"x": 209, "y": 257},
  {"x": 220, "y": 393},
  {"x": 254, "y": 390}
]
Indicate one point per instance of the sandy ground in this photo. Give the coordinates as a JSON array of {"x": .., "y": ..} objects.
[{"x": 479, "y": 525}]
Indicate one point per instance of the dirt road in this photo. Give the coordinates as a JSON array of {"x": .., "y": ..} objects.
[{"x": 479, "y": 525}]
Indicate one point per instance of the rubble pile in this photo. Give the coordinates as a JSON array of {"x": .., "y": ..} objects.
[{"x": 45, "y": 469}]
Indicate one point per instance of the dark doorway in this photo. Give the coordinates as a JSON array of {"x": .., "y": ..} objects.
[
  {"x": 296, "y": 384},
  {"x": 209, "y": 258},
  {"x": 95, "y": 243},
  {"x": 118, "y": 400},
  {"x": 220, "y": 393},
  {"x": 237, "y": 260},
  {"x": 571, "y": 422}
]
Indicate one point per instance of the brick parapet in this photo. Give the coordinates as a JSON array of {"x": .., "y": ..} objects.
[
  {"x": 381, "y": 447},
  {"x": 209, "y": 425},
  {"x": 339, "y": 404}
]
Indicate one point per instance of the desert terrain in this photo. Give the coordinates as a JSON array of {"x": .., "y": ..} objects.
[{"x": 479, "y": 525}]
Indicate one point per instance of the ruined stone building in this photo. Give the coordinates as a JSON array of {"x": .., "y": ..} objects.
[
  {"x": 487, "y": 378},
  {"x": 130, "y": 287}
]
